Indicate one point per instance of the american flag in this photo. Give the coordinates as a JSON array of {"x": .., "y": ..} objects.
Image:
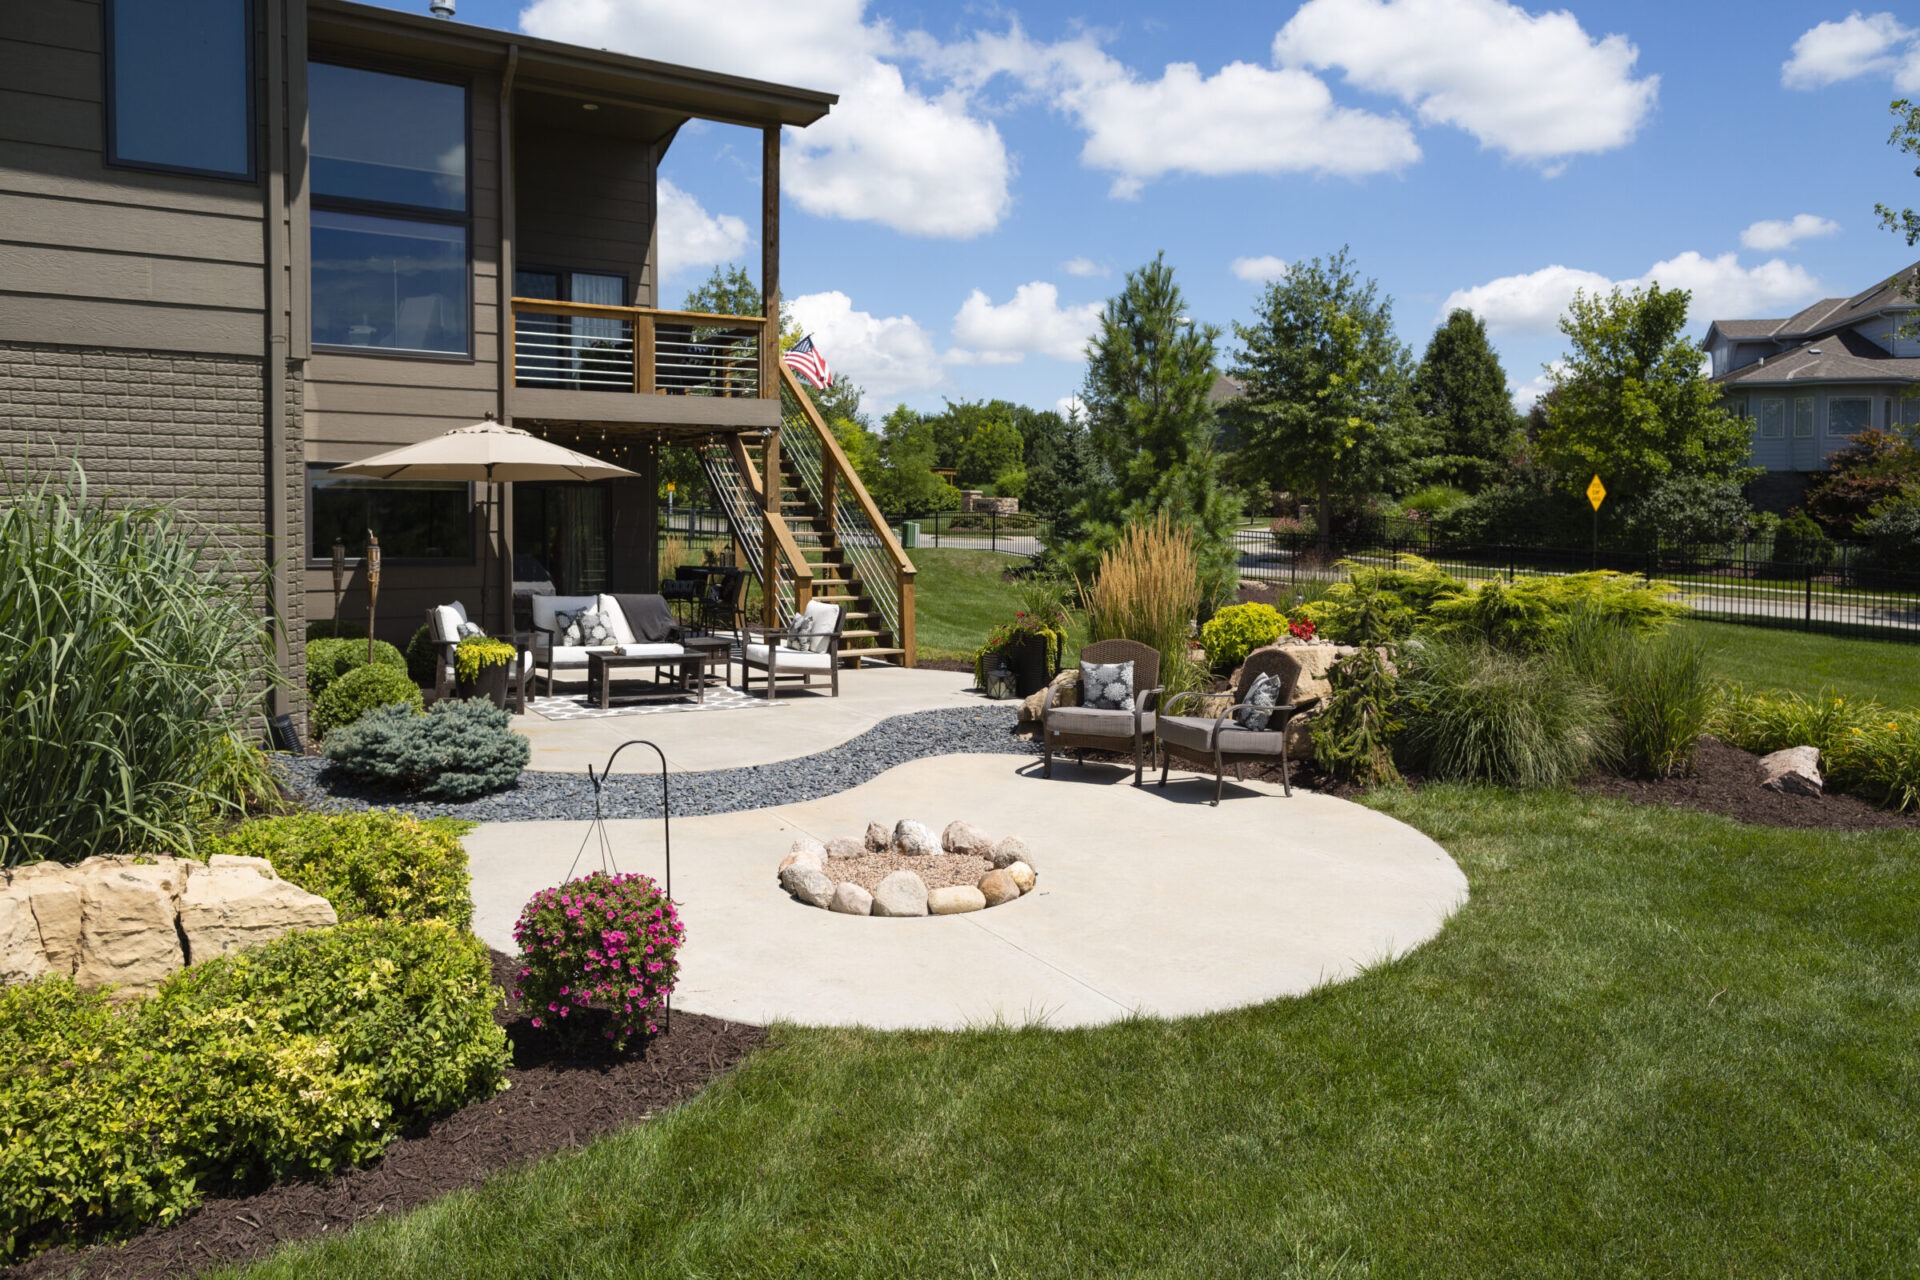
[{"x": 805, "y": 360}]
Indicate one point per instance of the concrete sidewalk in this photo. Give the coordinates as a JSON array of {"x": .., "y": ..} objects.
[
  {"x": 804, "y": 723},
  {"x": 1148, "y": 901}
]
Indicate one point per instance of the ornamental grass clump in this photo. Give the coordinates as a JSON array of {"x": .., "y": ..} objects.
[
  {"x": 1473, "y": 712},
  {"x": 600, "y": 953},
  {"x": 1658, "y": 689},
  {"x": 132, "y": 663},
  {"x": 1147, "y": 588}
]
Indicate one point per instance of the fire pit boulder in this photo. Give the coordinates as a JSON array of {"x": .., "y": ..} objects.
[{"x": 906, "y": 870}]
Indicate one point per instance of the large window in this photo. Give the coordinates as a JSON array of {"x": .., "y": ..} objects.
[
  {"x": 1849, "y": 415},
  {"x": 391, "y": 228},
  {"x": 179, "y": 80},
  {"x": 414, "y": 519},
  {"x": 1803, "y": 418},
  {"x": 1773, "y": 418}
]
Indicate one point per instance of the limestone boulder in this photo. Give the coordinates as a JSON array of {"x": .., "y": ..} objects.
[
  {"x": 915, "y": 839},
  {"x": 127, "y": 934},
  {"x": 55, "y": 899},
  {"x": 1794, "y": 771},
  {"x": 954, "y": 900},
  {"x": 845, "y": 847},
  {"x": 849, "y": 899},
  {"x": 1008, "y": 850},
  {"x": 21, "y": 958},
  {"x": 878, "y": 838},
  {"x": 997, "y": 887},
  {"x": 1022, "y": 876},
  {"x": 803, "y": 857},
  {"x": 235, "y": 902},
  {"x": 807, "y": 845},
  {"x": 1316, "y": 659},
  {"x": 902, "y": 893},
  {"x": 1067, "y": 694},
  {"x": 967, "y": 839},
  {"x": 808, "y": 884}
]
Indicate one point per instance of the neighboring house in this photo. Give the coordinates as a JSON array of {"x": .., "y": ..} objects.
[
  {"x": 245, "y": 241},
  {"x": 1809, "y": 383}
]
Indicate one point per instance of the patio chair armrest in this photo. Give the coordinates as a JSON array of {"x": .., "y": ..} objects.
[
  {"x": 1285, "y": 710},
  {"x": 764, "y": 629},
  {"x": 1140, "y": 699},
  {"x": 1177, "y": 700}
]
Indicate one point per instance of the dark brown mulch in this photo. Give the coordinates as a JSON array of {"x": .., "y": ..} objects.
[
  {"x": 555, "y": 1102},
  {"x": 945, "y": 664},
  {"x": 1726, "y": 781}
]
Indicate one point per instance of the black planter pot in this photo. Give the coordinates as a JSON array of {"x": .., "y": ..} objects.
[
  {"x": 1028, "y": 658},
  {"x": 490, "y": 683}
]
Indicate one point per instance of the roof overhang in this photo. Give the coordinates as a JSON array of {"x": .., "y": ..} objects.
[{"x": 564, "y": 69}]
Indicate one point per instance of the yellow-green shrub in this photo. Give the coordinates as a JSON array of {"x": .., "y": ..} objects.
[
  {"x": 361, "y": 690},
  {"x": 1864, "y": 746},
  {"x": 1237, "y": 630},
  {"x": 375, "y": 865}
]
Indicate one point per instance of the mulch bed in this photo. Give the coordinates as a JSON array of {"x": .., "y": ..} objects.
[{"x": 555, "y": 1102}]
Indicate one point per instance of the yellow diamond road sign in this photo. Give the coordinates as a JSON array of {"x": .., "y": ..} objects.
[{"x": 1596, "y": 493}]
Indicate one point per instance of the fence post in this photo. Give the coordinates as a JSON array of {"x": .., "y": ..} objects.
[
  {"x": 1809, "y": 616},
  {"x": 993, "y": 530}
]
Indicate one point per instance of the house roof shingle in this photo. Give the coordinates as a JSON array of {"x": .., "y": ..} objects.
[{"x": 1838, "y": 357}]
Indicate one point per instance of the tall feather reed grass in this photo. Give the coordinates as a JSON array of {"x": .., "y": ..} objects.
[
  {"x": 1147, "y": 588},
  {"x": 132, "y": 660}
]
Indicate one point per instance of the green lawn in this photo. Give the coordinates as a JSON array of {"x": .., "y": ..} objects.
[
  {"x": 1653, "y": 1044},
  {"x": 1764, "y": 657},
  {"x": 958, "y": 597}
]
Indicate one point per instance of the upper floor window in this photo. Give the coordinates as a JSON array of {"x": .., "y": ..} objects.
[
  {"x": 391, "y": 226},
  {"x": 1773, "y": 418},
  {"x": 179, "y": 80}
]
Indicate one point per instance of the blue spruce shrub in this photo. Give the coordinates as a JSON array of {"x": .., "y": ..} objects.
[{"x": 460, "y": 749}]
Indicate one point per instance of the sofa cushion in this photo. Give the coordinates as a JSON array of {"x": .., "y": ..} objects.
[
  {"x": 445, "y": 622},
  {"x": 790, "y": 659},
  {"x": 545, "y": 607},
  {"x": 812, "y": 629},
  {"x": 1195, "y": 733}
]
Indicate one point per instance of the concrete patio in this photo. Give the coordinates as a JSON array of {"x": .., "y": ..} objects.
[{"x": 1149, "y": 901}]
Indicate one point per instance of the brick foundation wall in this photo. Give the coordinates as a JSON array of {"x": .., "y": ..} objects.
[{"x": 161, "y": 427}]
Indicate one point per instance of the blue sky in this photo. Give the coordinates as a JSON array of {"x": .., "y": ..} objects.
[{"x": 993, "y": 171}]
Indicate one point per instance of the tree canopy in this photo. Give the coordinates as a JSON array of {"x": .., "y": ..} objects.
[
  {"x": 1325, "y": 383},
  {"x": 1460, "y": 391}
]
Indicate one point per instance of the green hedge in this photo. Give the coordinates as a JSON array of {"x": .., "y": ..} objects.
[
  {"x": 370, "y": 866},
  {"x": 297, "y": 1057},
  {"x": 328, "y": 660},
  {"x": 362, "y": 690}
]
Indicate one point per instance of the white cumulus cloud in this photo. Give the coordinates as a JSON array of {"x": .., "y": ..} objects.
[
  {"x": 1773, "y": 234},
  {"x": 1538, "y": 88},
  {"x": 887, "y": 355},
  {"x": 690, "y": 237},
  {"x": 1086, "y": 268},
  {"x": 919, "y": 160},
  {"x": 1070, "y": 406},
  {"x": 1524, "y": 394},
  {"x": 1722, "y": 289},
  {"x": 1259, "y": 270},
  {"x": 1032, "y": 322},
  {"x": 1856, "y": 45}
]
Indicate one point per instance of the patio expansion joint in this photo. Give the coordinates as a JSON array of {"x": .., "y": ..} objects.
[{"x": 1045, "y": 963}]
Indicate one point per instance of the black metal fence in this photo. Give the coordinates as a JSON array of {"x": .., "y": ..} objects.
[
  {"x": 1732, "y": 582},
  {"x": 1018, "y": 535}
]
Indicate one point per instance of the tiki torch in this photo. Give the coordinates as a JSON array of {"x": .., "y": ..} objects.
[{"x": 373, "y": 587}]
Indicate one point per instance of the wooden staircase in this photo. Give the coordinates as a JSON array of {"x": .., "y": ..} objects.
[{"x": 866, "y": 632}]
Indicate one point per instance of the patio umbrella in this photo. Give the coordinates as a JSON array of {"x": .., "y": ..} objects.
[{"x": 489, "y": 453}]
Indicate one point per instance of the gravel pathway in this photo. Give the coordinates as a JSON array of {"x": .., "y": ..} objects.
[{"x": 956, "y": 731}]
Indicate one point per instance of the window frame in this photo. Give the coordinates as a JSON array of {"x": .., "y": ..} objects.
[
  {"x": 462, "y": 218},
  {"x": 110, "y": 117},
  {"x": 1865, "y": 399},
  {"x": 1812, "y": 407},
  {"x": 1760, "y": 419},
  {"x": 322, "y": 558}
]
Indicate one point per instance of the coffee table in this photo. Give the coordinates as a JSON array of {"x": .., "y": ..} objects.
[
  {"x": 704, "y": 652},
  {"x": 602, "y": 663}
]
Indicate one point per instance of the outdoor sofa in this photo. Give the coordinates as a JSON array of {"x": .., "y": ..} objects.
[{"x": 642, "y": 625}]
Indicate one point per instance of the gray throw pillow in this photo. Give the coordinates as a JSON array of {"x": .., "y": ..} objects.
[
  {"x": 466, "y": 629},
  {"x": 1262, "y": 698},
  {"x": 1106, "y": 686},
  {"x": 585, "y": 629}
]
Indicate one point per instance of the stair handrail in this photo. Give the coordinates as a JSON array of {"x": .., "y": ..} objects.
[{"x": 792, "y": 587}]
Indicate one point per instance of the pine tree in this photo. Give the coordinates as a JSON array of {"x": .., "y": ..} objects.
[
  {"x": 1151, "y": 429},
  {"x": 1461, "y": 391}
]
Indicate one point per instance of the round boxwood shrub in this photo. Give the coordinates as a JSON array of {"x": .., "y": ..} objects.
[
  {"x": 371, "y": 866},
  {"x": 600, "y": 952},
  {"x": 1799, "y": 541},
  {"x": 1237, "y": 630},
  {"x": 422, "y": 661},
  {"x": 460, "y": 749},
  {"x": 328, "y": 660},
  {"x": 362, "y": 690}
]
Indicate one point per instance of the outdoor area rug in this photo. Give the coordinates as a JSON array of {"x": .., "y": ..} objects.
[{"x": 576, "y": 706}]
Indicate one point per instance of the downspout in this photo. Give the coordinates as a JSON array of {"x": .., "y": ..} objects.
[
  {"x": 504, "y": 326},
  {"x": 278, "y": 546}
]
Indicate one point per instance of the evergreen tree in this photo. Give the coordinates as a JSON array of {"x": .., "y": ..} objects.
[
  {"x": 1056, "y": 458},
  {"x": 1461, "y": 392},
  {"x": 1151, "y": 429},
  {"x": 1325, "y": 380}
]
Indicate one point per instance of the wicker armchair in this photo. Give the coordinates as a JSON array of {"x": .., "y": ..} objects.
[
  {"x": 1083, "y": 729},
  {"x": 1214, "y": 742}
]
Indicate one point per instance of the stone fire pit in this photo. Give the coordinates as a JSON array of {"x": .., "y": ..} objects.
[{"x": 908, "y": 871}]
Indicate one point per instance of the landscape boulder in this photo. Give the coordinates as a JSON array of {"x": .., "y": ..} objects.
[
  {"x": 1068, "y": 685},
  {"x": 902, "y": 893},
  {"x": 1022, "y": 876},
  {"x": 878, "y": 838},
  {"x": 965, "y": 839},
  {"x": 1008, "y": 850},
  {"x": 1794, "y": 771},
  {"x": 954, "y": 900},
  {"x": 235, "y": 902},
  {"x": 915, "y": 839},
  {"x": 845, "y": 847},
  {"x": 807, "y": 883},
  {"x": 850, "y": 899},
  {"x": 997, "y": 887}
]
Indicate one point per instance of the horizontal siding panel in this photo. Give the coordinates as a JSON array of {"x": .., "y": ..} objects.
[
  {"x": 82, "y": 273},
  {"x": 383, "y": 430},
  {"x": 30, "y": 169},
  {"x": 56, "y": 122},
  {"x": 90, "y": 322},
  {"x": 54, "y": 73},
  {"x": 348, "y": 397},
  {"x": 131, "y": 229},
  {"x": 63, "y": 24},
  {"x": 336, "y": 368}
]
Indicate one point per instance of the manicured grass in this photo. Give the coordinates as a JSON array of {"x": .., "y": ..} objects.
[
  {"x": 959, "y": 596},
  {"x": 1653, "y": 1044},
  {"x": 1766, "y": 658}
]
